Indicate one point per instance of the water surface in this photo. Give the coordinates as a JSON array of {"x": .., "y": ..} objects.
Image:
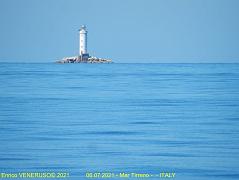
[{"x": 144, "y": 118}]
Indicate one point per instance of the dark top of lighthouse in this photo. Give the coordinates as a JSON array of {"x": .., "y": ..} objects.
[{"x": 83, "y": 27}]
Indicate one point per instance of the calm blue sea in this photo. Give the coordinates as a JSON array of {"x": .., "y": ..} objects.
[{"x": 131, "y": 118}]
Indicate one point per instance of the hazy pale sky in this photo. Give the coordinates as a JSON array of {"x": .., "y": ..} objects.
[{"x": 123, "y": 30}]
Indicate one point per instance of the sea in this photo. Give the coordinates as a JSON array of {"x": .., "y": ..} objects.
[{"x": 119, "y": 121}]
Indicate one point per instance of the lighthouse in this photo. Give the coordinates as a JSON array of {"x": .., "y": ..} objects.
[
  {"x": 83, "y": 56},
  {"x": 83, "y": 43}
]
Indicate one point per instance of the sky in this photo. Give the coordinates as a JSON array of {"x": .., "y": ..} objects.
[{"x": 161, "y": 31}]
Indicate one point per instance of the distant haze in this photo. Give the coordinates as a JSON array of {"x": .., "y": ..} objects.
[{"x": 124, "y": 30}]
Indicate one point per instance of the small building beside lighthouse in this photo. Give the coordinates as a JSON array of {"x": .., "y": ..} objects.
[{"x": 83, "y": 55}]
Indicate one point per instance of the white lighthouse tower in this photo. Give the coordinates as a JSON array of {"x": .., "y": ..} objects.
[
  {"x": 83, "y": 56},
  {"x": 83, "y": 43}
]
